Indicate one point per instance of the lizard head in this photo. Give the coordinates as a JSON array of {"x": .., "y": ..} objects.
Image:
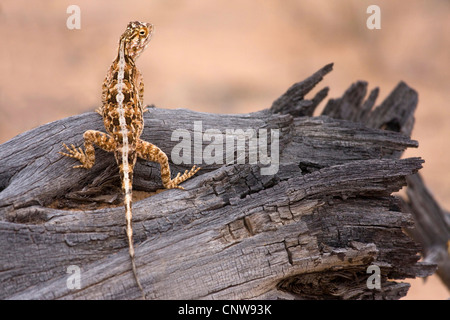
[{"x": 136, "y": 38}]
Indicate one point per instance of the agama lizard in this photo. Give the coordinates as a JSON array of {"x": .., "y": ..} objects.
[{"x": 122, "y": 111}]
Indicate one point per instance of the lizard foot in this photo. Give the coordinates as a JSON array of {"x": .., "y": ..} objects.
[
  {"x": 77, "y": 153},
  {"x": 174, "y": 183}
]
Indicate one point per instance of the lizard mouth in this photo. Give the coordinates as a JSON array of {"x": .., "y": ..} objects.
[
  {"x": 144, "y": 42},
  {"x": 151, "y": 29}
]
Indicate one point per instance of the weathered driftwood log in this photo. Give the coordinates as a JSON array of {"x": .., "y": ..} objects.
[
  {"x": 432, "y": 226},
  {"x": 432, "y": 223},
  {"x": 309, "y": 230}
]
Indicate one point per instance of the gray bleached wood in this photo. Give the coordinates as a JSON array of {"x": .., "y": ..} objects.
[{"x": 309, "y": 231}]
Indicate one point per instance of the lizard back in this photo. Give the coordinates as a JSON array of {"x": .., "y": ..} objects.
[{"x": 123, "y": 110}]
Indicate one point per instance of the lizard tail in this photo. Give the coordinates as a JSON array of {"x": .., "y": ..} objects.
[
  {"x": 126, "y": 175},
  {"x": 130, "y": 242}
]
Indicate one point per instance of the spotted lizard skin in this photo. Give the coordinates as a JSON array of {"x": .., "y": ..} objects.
[{"x": 122, "y": 111}]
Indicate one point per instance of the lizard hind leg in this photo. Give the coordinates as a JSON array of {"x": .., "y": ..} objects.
[
  {"x": 87, "y": 157},
  {"x": 87, "y": 161},
  {"x": 174, "y": 183},
  {"x": 150, "y": 152}
]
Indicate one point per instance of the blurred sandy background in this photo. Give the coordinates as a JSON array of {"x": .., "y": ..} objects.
[{"x": 229, "y": 56}]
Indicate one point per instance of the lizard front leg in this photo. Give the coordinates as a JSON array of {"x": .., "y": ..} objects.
[
  {"x": 99, "y": 110},
  {"x": 150, "y": 152},
  {"x": 140, "y": 87},
  {"x": 87, "y": 157}
]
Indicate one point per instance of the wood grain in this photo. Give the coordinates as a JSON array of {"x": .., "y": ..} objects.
[{"x": 308, "y": 232}]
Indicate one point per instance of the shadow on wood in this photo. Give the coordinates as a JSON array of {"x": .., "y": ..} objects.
[{"x": 310, "y": 230}]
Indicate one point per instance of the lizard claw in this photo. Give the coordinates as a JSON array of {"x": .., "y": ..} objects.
[
  {"x": 174, "y": 183},
  {"x": 77, "y": 153}
]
